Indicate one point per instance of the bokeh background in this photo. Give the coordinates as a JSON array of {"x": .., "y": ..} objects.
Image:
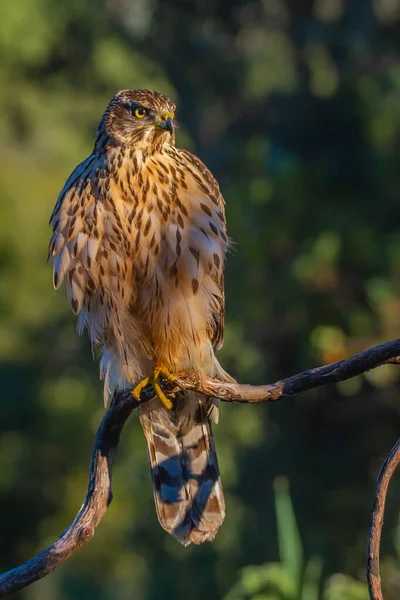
[{"x": 295, "y": 107}]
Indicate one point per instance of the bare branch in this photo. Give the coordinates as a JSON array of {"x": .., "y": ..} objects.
[
  {"x": 99, "y": 494},
  {"x": 98, "y": 499},
  {"x": 375, "y": 531},
  {"x": 388, "y": 353}
]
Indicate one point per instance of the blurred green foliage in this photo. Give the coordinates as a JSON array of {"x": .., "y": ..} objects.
[
  {"x": 295, "y": 107},
  {"x": 290, "y": 579}
]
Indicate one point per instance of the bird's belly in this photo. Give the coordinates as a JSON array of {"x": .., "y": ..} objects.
[
  {"x": 176, "y": 319},
  {"x": 177, "y": 280}
]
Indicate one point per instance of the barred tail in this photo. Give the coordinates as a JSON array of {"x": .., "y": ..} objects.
[{"x": 186, "y": 482}]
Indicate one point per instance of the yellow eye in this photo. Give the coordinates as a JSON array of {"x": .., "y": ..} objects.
[{"x": 140, "y": 113}]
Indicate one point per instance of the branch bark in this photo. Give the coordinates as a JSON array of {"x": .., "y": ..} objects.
[
  {"x": 388, "y": 353},
  {"x": 99, "y": 494},
  {"x": 375, "y": 531}
]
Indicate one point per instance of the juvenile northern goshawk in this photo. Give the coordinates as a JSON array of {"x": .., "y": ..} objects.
[{"x": 140, "y": 240}]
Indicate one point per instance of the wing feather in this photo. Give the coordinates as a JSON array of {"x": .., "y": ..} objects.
[
  {"x": 202, "y": 184},
  {"x": 84, "y": 252}
]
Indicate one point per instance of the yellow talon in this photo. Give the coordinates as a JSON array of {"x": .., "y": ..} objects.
[
  {"x": 140, "y": 386},
  {"x": 166, "y": 401},
  {"x": 159, "y": 373},
  {"x": 163, "y": 371}
]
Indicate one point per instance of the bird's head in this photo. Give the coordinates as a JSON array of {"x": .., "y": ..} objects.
[{"x": 139, "y": 117}]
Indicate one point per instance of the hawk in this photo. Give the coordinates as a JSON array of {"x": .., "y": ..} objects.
[{"x": 139, "y": 238}]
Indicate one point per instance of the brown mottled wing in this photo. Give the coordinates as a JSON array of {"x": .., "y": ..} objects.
[
  {"x": 217, "y": 331},
  {"x": 219, "y": 321},
  {"x": 86, "y": 234}
]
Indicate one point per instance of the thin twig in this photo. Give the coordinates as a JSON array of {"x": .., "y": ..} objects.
[
  {"x": 375, "y": 530},
  {"x": 99, "y": 493}
]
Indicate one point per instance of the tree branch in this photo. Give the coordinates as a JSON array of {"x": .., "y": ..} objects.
[
  {"x": 99, "y": 494},
  {"x": 388, "y": 353},
  {"x": 375, "y": 530},
  {"x": 98, "y": 499}
]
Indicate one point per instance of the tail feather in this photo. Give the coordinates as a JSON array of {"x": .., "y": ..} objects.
[{"x": 186, "y": 483}]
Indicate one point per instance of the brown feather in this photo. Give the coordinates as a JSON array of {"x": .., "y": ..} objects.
[{"x": 186, "y": 482}]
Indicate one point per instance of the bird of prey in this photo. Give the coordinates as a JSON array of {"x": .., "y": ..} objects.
[{"x": 139, "y": 238}]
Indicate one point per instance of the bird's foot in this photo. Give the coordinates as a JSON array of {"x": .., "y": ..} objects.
[
  {"x": 160, "y": 372},
  {"x": 137, "y": 390}
]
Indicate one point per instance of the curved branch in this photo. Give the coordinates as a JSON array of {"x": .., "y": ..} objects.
[
  {"x": 375, "y": 530},
  {"x": 98, "y": 499},
  {"x": 99, "y": 494},
  {"x": 388, "y": 353}
]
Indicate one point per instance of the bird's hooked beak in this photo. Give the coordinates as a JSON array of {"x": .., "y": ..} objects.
[{"x": 166, "y": 122}]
